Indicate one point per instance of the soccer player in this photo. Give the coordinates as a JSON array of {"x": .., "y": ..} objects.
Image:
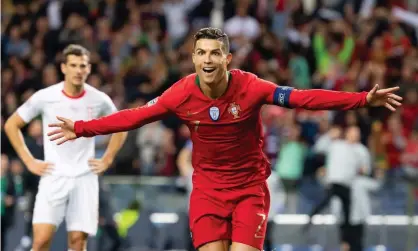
[
  {"x": 69, "y": 183},
  {"x": 230, "y": 201}
]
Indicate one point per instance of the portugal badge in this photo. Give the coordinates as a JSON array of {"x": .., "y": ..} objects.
[{"x": 234, "y": 109}]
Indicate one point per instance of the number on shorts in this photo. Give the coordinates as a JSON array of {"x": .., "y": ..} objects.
[{"x": 257, "y": 232}]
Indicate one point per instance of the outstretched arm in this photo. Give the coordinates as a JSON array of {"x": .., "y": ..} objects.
[
  {"x": 124, "y": 120},
  {"x": 317, "y": 99},
  {"x": 121, "y": 121},
  {"x": 327, "y": 100}
]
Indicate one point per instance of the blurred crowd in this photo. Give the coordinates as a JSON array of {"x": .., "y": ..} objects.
[{"x": 141, "y": 47}]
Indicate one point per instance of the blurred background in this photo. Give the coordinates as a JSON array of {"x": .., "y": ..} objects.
[{"x": 141, "y": 47}]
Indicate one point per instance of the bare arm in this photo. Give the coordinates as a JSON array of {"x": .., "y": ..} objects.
[{"x": 13, "y": 131}]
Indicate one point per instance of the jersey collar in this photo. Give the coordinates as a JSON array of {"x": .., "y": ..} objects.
[
  {"x": 74, "y": 97},
  {"x": 197, "y": 81}
]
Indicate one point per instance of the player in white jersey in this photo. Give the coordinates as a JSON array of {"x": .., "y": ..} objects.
[{"x": 69, "y": 184}]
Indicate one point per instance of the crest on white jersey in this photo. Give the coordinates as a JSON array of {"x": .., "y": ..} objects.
[
  {"x": 152, "y": 102},
  {"x": 214, "y": 113}
]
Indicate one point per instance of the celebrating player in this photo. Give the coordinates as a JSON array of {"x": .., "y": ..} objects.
[
  {"x": 230, "y": 200},
  {"x": 69, "y": 183}
]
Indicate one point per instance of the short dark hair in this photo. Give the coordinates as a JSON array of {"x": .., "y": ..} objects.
[
  {"x": 213, "y": 33},
  {"x": 76, "y": 50}
]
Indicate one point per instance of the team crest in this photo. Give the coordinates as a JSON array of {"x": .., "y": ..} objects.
[
  {"x": 234, "y": 109},
  {"x": 214, "y": 113}
]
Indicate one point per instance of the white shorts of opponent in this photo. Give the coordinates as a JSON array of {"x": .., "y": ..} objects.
[{"x": 75, "y": 198}]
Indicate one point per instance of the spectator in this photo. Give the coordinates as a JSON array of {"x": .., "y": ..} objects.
[
  {"x": 394, "y": 140},
  {"x": 289, "y": 166},
  {"x": 176, "y": 14},
  {"x": 345, "y": 159},
  {"x": 7, "y": 199},
  {"x": 242, "y": 28},
  {"x": 16, "y": 45},
  {"x": 300, "y": 76},
  {"x": 184, "y": 162},
  {"x": 352, "y": 235},
  {"x": 115, "y": 11},
  {"x": 71, "y": 33},
  {"x": 151, "y": 142},
  {"x": 377, "y": 149},
  {"x": 409, "y": 157},
  {"x": 333, "y": 59}
]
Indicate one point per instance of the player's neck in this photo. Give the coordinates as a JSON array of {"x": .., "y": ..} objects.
[
  {"x": 73, "y": 90},
  {"x": 216, "y": 90}
]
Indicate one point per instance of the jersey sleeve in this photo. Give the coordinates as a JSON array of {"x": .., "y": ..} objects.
[
  {"x": 315, "y": 99},
  {"x": 31, "y": 108},
  {"x": 108, "y": 107},
  {"x": 121, "y": 121},
  {"x": 127, "y": 119}
]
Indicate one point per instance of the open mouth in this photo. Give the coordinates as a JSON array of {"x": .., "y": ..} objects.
[{"x": 209, "y": 69}]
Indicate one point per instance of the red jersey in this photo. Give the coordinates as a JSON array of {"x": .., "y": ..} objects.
[{"x": 226, "y": 132}]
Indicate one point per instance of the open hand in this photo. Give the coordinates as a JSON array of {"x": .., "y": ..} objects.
[
  {"x": 384, "y": 97},
  {"x": 64, "y": 132},
  {"x": 40, "y": 167}
]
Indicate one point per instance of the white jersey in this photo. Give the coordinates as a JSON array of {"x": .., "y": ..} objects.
[
  {"x": 343, "y": 159},
  {"x": 71, "y": 158}
]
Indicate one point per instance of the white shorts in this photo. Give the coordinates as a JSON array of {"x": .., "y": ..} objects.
[{"x": 75, "y": 198}]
